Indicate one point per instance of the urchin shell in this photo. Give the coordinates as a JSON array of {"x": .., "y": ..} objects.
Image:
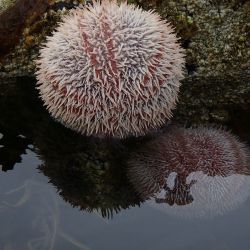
[
  {"x": 111, "y": 70},
  {"x": 192, "y": 172}
]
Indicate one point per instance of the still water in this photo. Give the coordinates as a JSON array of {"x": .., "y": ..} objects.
[{"x": 59, "y": 190}]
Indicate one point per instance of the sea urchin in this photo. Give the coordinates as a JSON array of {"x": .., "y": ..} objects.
[{"x": 111, "y": 70}]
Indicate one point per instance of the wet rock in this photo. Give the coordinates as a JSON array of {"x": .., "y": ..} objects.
[
  {"x": 211, "y": 99},
  {"x": 5, "y": 4},
  {"x": 214, "y": 33},
  {"x": 13, "y": 20}
]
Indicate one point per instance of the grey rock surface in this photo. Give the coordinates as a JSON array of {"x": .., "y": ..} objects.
[{"x": 214, "y": 33}]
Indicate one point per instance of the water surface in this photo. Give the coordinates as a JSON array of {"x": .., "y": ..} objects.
[{"x": 59, "y": 190}]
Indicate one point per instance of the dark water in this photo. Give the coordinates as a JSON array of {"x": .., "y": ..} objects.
[{"x": 59, "y": 190}]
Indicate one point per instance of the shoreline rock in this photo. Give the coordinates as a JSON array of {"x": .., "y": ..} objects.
[{"x": 215, "y": 35}]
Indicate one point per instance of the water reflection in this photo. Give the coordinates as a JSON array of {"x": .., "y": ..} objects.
[
  {"x": 192, "y": 172},
  {"x": 17, "y": 144},
  {"x": 44, "y": 222},
  {"x": 34, "y": 208},
  {"x": 21, "y": 202},
  {"x": 188, "y": 172},
  {"x": 88, "y": 173},
  {"x": 20, "y": 113}
]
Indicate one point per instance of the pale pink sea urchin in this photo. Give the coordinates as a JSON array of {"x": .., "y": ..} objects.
[
  {"x": 111, "y": 70},
  {"x": 197, "y": 171}
]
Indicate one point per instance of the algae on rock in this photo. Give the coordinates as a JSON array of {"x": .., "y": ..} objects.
[
  {"x": 4, "y": 4},
  {"x": 214, "y": 33}
]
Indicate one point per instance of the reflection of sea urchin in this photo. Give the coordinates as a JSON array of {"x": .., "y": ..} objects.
[
  {"x": 198, "y": 171},
  {"x": 111, "y": 70}
]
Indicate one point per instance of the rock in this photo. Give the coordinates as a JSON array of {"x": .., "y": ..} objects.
[
  {"x": 213, "y": 99},
  {"x": 5, "y": 4},
  {"x": 23, "y": 26},
  {"x": 214, "y": 33}
]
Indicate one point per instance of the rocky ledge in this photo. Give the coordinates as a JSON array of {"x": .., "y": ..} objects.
[{"x": 214, "y": 33}]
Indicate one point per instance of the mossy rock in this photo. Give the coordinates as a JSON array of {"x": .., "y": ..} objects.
[{"x": 214, "y": 33}]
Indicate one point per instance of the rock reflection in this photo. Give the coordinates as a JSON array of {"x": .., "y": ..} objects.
[
  {"x": 192, "y": 172},
  {"x": 20, "y": 114},
  {"x": 18, "y": 145},
  {"x": 89, "y": 173}
]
